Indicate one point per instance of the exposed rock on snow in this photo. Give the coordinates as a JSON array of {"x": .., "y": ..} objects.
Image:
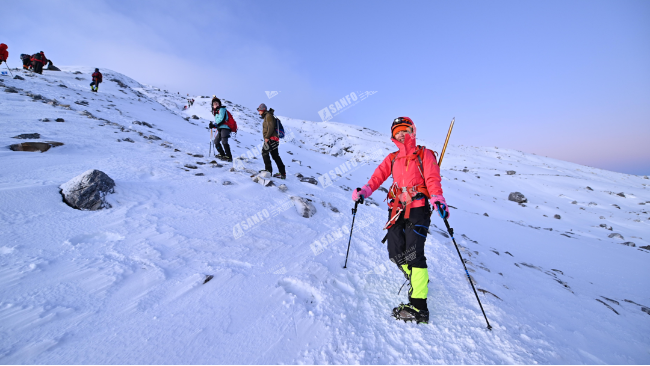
[
  {"x": 304, "y": 206},
  {"x": 35, "y": 146},
  {"x": 615, "y": 235},
  {"x": 18, "y": 77},
  {"x": 629, "y": 244},
  {"x": 511, "y": 172},
  {"x": 88, "y": 191},
  {"x": 557, "y": 216},
  {"x": 283, "y": 187},
  {"x": 141, "y": 123},
  {"x": 26, "y": 136},
  {"x": 227, "y": 183},
  {"x": 59, "y": 120},
  {"x": 517, "y": 197},
  {"x": 311, "y": 180}
]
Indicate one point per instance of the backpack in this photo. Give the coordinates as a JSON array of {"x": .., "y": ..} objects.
[
  {"x": 279, "y": 128},
  {"x": 231, "y": 123}
]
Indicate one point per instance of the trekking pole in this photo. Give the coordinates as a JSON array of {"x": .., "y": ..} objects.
[
  {"x": 444, "y": 148},
  {"x": 12, "y": 75},
  {"x": 451, "y": 233},
  {"x": 354, "y": 215},
  {"x": 210, "y": 151}
]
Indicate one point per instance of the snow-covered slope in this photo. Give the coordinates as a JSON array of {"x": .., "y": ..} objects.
[{"x": 126, "y": 284}]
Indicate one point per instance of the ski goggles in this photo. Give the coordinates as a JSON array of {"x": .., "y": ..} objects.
[
  {"x": 402, "y": 120},
  {"x": 401, "y": 123}
]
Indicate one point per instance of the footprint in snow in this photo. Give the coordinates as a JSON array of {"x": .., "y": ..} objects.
[{"x": 303, "y": 291}]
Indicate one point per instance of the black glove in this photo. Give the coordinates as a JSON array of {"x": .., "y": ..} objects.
[{"x": 211, "y": 125}]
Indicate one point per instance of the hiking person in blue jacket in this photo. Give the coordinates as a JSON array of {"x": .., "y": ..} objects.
[{"x": 223, "y": 131}]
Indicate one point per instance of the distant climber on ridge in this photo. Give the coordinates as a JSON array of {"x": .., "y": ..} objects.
[
  {"x": 26, "y": 59},
  {"x": 271, "y": 142},
  {"x": 4, "y": 55},
  {"x": 38, "y": 61},
  {"x": 97, "y": 79}
]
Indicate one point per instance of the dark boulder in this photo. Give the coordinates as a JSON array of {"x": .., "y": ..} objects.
[
  {"x": 35, "y": 146},
  {"x": 517, "y": 197},
  {"x": 88, "y": 191}
]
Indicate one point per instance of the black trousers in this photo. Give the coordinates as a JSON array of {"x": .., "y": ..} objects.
[
  {"x": 37, "y": 67},
  {"x": 271, "y": 147},
  {"x": 95, "y": 83},
  {"x": 406, "y": 237},
  {"x": 223, "y": 134}
]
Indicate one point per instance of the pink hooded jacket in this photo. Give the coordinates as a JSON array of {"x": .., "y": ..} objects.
[{"x": 406, "y": 172}]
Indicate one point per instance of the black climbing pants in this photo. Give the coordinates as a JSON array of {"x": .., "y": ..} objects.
[
  {"x": 223, "y": 134},
  {"x": 406, "y": 249},
  {"x": 271, "y": 147}
]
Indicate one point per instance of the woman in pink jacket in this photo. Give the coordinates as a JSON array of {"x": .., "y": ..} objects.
[{"x": 416, "y": 184}]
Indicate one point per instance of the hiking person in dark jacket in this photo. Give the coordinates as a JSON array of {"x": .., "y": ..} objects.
[
  {"x": 97, "y": 79},
  {"x": 26, "y": 59},
  {"x": 4, "y": 55},
  {"x": 38, "y": 61},
  {"x": 223, "y": 131},
  {"x": 271, "y": 142}
]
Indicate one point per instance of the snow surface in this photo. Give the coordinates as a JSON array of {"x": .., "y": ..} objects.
[{"x": 126, "y": 285}]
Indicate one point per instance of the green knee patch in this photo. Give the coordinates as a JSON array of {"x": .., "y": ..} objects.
[
  {"x": 419, "y": 283},
  {"x": 406, "y": 269}
]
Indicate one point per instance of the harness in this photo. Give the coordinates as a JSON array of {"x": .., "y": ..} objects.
[{"x": 400, "y": 198}]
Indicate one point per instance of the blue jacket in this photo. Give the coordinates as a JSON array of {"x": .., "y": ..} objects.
[{"x": 221, "y": 118}]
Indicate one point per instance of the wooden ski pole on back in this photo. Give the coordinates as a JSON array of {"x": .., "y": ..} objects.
[{"x": 444, "y": 148}]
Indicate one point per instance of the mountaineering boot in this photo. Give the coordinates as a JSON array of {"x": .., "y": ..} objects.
[
  {"x": 280, "y": 176},
  {"x": 228, "y": 154},
  {"x": 409, "y": 313}
]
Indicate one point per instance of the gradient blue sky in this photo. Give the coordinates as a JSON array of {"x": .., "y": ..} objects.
[{"x": 564, "y": 79}]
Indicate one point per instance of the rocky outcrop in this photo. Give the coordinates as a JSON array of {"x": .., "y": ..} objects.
[
  {"x": 304, "y": 206},
  {"x": 26, "y": 136},
  {"x": 35, "y": 146},
  {"x": 88, "y": 191},
  {"x": 517, "y": 197}
]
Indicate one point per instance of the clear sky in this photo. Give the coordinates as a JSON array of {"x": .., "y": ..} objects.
[{"x": 564, "y": 79}]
